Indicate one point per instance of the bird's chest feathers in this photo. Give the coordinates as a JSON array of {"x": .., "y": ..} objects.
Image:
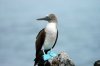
[{"x": 51, "y": 32}]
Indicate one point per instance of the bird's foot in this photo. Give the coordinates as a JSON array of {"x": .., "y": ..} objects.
[
  {"x": 52, "y": 54},
  {"x": 49, "y": 55},
  {"x": 46, "y": 57}
]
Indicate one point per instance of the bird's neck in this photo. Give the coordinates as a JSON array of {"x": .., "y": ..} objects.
[{"x": 51, "y": 27}]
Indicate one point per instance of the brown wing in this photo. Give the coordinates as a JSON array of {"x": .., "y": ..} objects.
[
  {"x": 56, "y": 39},
  {"x": 40, "y": 40}
]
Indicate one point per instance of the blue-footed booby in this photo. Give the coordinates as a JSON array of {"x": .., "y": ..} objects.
[{"x": 47, "y": 37}]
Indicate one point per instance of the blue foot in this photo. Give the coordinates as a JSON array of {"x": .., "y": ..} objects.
[
  {"x": 52, "y": 54},
  {"x": 46, "y": 57},
  {"x": 49, "y": 55}
]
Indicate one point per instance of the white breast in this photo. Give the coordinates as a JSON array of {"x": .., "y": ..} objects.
[{"x": 51, "y": 32}]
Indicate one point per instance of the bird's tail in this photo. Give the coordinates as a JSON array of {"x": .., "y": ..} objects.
[{"x": 39, "y": 57}]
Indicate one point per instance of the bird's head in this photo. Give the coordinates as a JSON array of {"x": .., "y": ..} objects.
[{"x": 49, "y": 18}]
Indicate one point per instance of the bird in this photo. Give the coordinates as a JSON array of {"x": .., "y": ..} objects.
[{"x": 47, "y": 37}]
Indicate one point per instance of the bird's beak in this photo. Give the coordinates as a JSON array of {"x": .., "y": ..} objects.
[{"x": 45, "y": 18}]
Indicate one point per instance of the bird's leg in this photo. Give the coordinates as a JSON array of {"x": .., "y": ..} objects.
[
  {"x": 46, "y": 56},
  {"x": 43, "y": 51},
  {"x": 46, "y": 51}
]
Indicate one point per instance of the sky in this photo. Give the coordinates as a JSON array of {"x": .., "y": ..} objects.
[{"x": 78, "y": 25}]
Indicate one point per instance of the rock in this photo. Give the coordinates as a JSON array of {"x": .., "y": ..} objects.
[
  {"x": 97, "y": 63},
  {"x": 62, "y": 59}
]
